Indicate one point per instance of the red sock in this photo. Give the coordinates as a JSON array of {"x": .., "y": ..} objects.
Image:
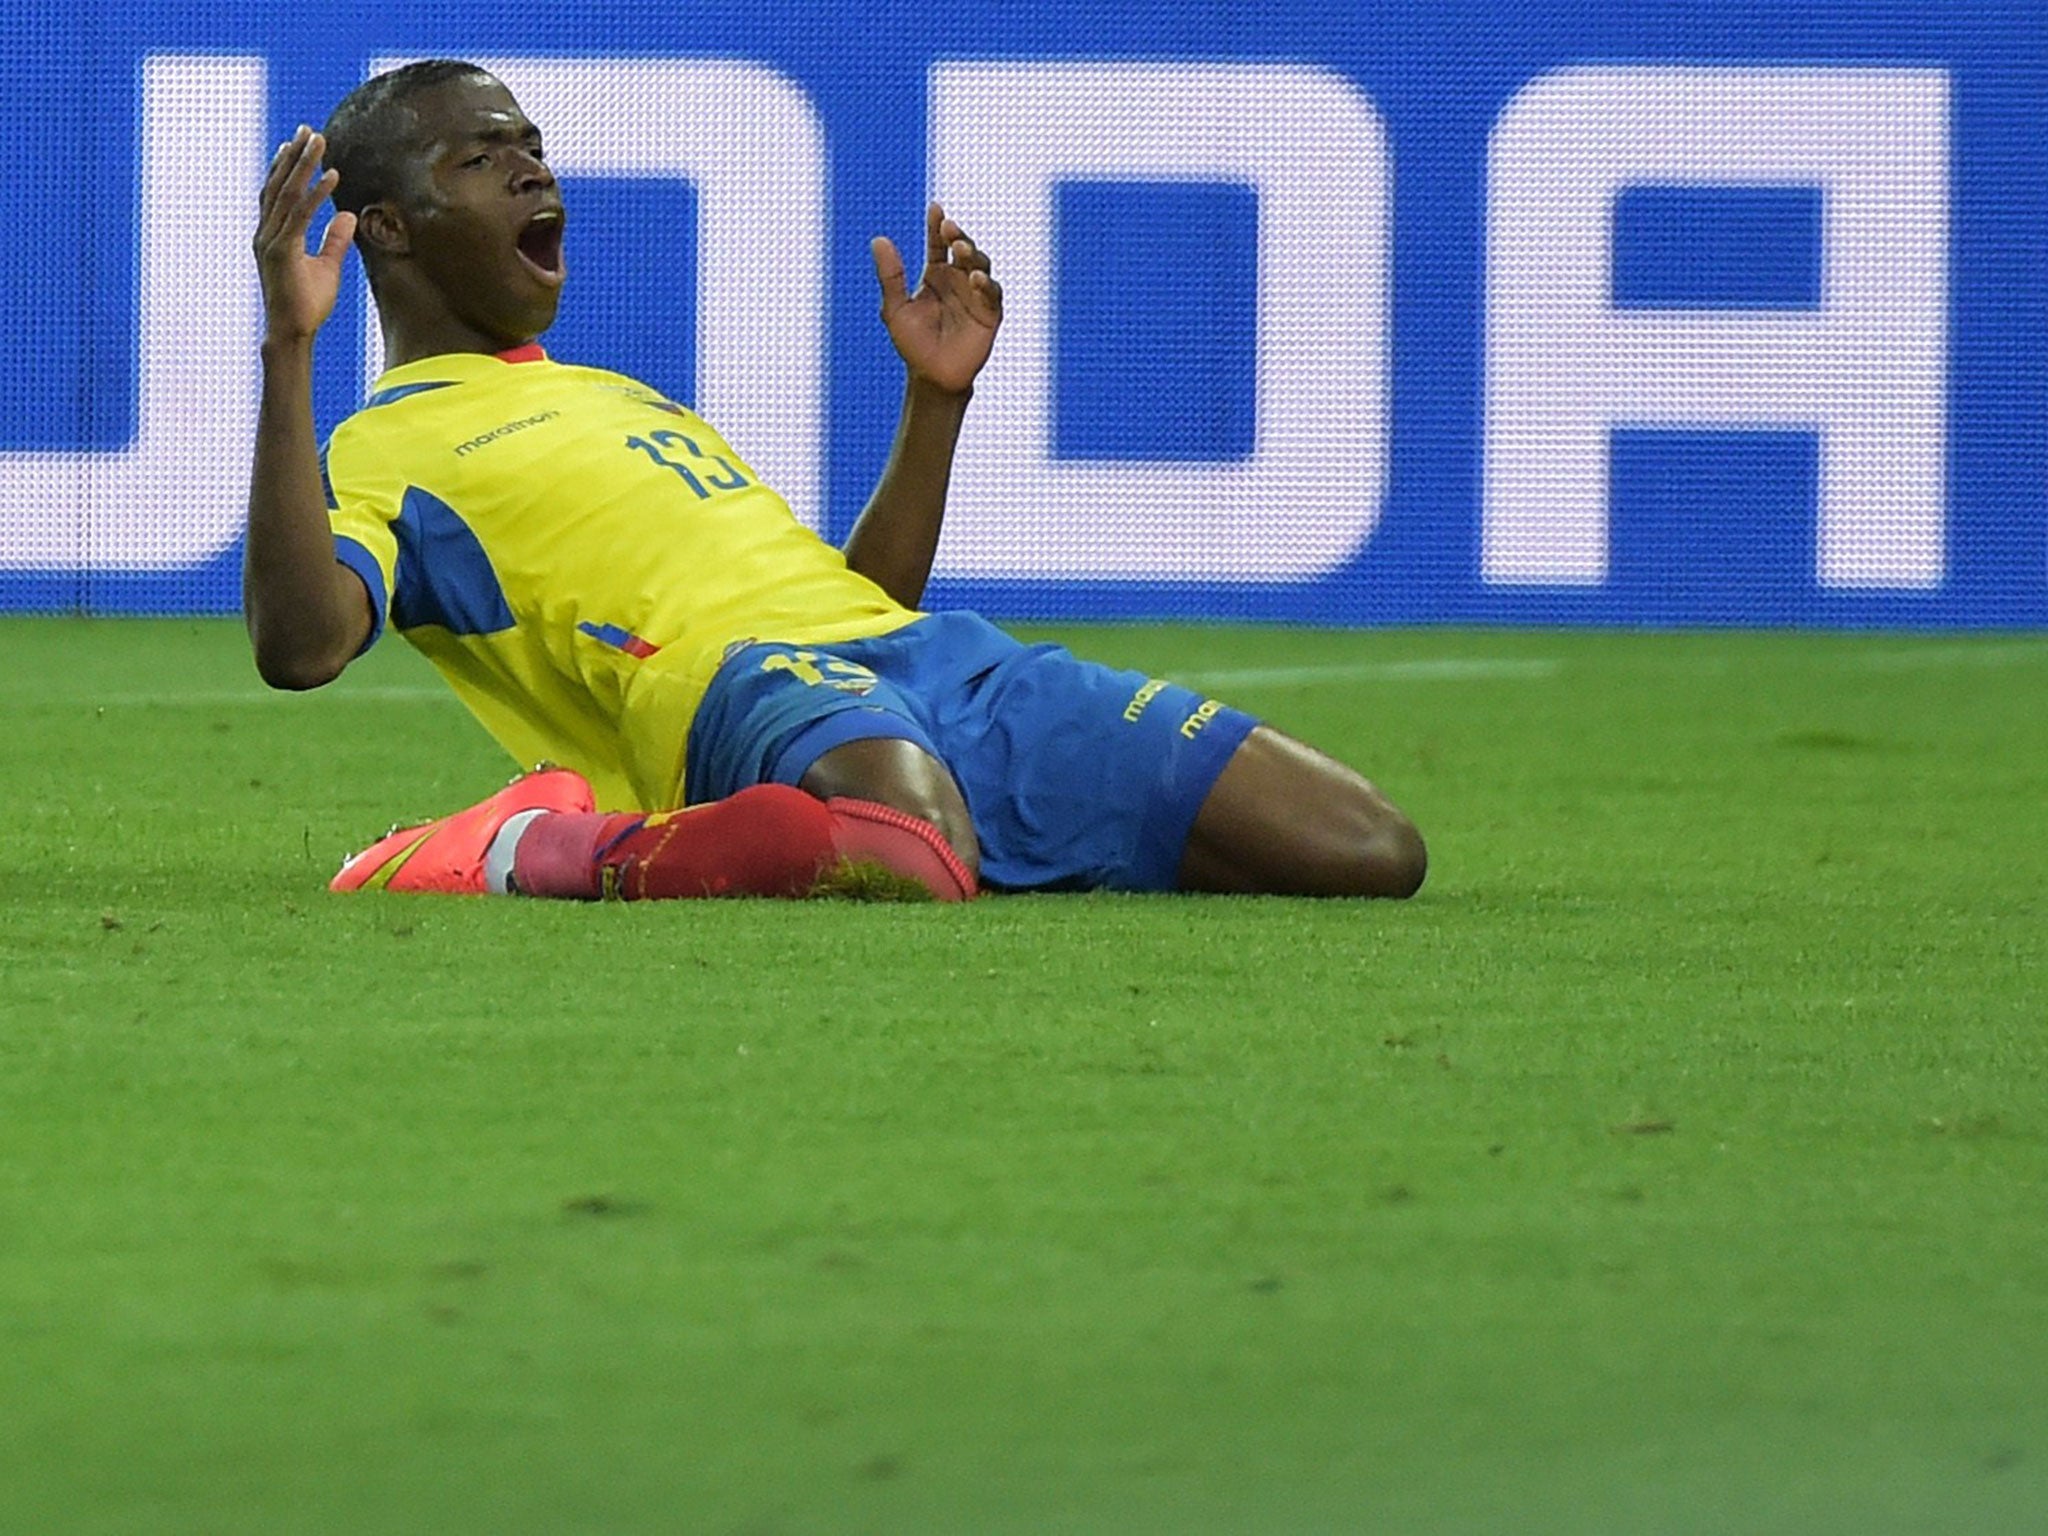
[
  {"x": 767, "y": 840},
  {"x": 899, "y": 841}
]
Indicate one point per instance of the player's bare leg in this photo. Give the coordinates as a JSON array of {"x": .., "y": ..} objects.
[
  {"x": 901, "y": 775},
  {"x": 1284, "y": 819}
]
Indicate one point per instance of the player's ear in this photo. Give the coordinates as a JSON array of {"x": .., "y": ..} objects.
[{"x": 381, "y": 228}]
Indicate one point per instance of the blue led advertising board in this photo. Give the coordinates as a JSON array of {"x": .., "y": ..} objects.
[{"x": 1648, "y": 313}]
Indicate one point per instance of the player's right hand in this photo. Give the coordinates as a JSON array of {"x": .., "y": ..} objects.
[{"x": 299, "y": 288}]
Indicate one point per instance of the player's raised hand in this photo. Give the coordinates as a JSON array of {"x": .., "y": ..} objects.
[
  {"x": 299, "y": 287},
  {"x": 944, "y": 331}
]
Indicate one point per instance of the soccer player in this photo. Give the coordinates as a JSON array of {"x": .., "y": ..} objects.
[{"x": 607, "y": 585}]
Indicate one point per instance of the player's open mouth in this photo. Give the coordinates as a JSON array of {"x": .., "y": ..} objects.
[{"x": 540, "y": 245}]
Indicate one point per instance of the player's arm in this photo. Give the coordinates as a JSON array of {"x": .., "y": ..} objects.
[
  {"x": 307, "y": 613},
  {"x": 943, "y": 333}
]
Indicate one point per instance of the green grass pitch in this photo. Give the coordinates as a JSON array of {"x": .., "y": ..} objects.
[{"x": 1677, "y": 1162}]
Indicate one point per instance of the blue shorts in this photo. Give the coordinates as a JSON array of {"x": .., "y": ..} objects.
[{"x": 1078, "y": 776}]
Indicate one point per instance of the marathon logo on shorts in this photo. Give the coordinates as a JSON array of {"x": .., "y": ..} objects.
[
  {"x": 1151, "y": 690},
  {"x": 1207, "y": 711},
  {"x": 505, "y": 431}
]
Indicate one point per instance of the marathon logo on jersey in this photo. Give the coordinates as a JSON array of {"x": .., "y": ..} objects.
[{"x": 505, "y": 431}]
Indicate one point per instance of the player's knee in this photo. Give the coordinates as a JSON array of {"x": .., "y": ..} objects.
[
  {"x": 1367, "y": 847},
  {"x": 1393, "y": 860}
]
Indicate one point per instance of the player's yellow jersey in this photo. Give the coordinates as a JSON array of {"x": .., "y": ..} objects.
[{"x": 576, "y": 554}]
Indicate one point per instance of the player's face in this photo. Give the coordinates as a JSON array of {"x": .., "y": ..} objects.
[{"x": 485, "y": 219}]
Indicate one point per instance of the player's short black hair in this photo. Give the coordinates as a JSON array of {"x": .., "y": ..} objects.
[{"x": 367, "y": 139}]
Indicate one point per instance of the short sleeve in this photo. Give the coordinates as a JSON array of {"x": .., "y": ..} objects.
[{"x": 361, "y": 512}]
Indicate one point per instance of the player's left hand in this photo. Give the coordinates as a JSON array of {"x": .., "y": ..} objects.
[{"x": 943, "y": 331}]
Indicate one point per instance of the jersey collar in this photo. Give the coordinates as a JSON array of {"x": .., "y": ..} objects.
[{"x": 454, "y": 368}]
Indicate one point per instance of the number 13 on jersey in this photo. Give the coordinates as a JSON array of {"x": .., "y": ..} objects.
[{"x": 655, "y": 444}]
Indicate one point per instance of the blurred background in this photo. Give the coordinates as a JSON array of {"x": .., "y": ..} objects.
[{"x": 1687, "y": 313}]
